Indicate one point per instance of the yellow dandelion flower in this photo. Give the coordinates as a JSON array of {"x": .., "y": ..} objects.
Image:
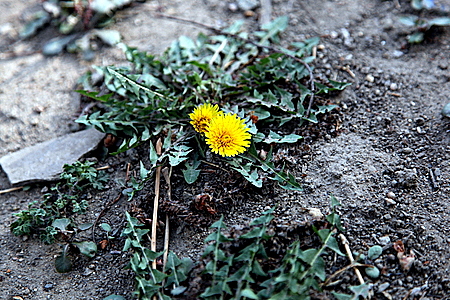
[
  {"x": 202, "y": 115},
  {"x": 227, "y": 135}
]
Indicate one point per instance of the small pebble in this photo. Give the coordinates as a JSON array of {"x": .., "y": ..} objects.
[
  {"x": 446, "y": 110},
  {"x": 384, "y": 240},
  {"x": 393, "y": 86},
  {"x": 390, "y": 201},
  {"x": 391, "y": 195},
  {"x": 233, "y": 7},
  {"x": 397, "y": 53},
  {"x": 383, "y": 287},
  {"x": 391, "y": 257},
  {"x": 407, "y": 150},
  {"x": 370, "y": 78}
]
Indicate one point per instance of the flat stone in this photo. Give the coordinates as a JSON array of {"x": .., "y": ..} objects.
[
  {"x": 247, "y": 4},
  {"x": 45, "y": 161}
]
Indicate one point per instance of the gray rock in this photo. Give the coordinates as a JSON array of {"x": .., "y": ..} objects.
[
  {"x": 446, "y": 110},
  {"x": 383, "y": 287},
  {"x": 45, "y": 161},
  {"x": 247, "y": 4}
]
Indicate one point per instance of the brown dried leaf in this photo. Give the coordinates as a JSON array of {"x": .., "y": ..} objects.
[
  {"x": 399, "y": 247},
  {"x": 103, "y": 244}
]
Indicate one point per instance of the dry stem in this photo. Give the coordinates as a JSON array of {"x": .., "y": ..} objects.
[
  {"x": 155, "y": 203},
  {"x": 11, "y": 190},
  {"x": 350, "y": 256}
]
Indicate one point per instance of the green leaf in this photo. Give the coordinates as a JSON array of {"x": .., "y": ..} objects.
[
  {"x": 273, "y": 28},
  {"x": 87, "y": 248},
  {"x": 416, "y": 37},
  {"x": 153, "y": 155},
  {"x": 334, "y": 202},
  {"x": 114, "y": 297},
  {"x": 409, "y": 20},
  {"x": 248, "y": 293},
  {"x": 333, "y": 245},
  {"x": 339, "y": 85},
  {"x": 444, "y": 21},
  {"x": 178, "y": 290},
  {"x": 340, "y": 296},
  {"x": 63, "y": 264},
  {"x": 143, "y": 172},
  {"x": 85, "y": 226},
  {"x": 274, "y": 137},
  {"x": 61, "y": 224},
  {"x": 190, "y": 174},
  {"x": 31, "y": 28},
  {"x": 106, "y": 227},
  {"x": 179, "y": 154},
  {"x": 360, "y": 290},
  {"x": 109, "y": 37}
]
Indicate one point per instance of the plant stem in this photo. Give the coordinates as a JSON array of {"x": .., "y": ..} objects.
[{"x": 155, "y": 202}]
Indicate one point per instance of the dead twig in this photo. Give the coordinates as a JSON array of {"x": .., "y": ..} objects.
[
  {"x": 103, "y": 168},
  {"x": 167, "y": 175},
  {"x": 214, "y": 165},
  {"x": 11, "y": 190},
  {"x": 155, "y": 203},
  {"x": 127, "y": 176},
  {"x": 352, "y": 265},
  {"x": 259, "y": 46},
  {"x": 350, "y": 256}
]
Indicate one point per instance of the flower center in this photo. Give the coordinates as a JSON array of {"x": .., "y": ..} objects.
[{"x": 224, "y": 141}]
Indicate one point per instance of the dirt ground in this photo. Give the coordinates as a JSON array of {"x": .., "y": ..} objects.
[{"x": 387, "y": 161}]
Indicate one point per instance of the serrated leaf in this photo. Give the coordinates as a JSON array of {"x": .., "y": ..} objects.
[
  {"x": 290, "y": 138},
  {"x": 360, "y": 290},
  {"x": 252, "y": 177},
  {"x": 339, "y": 85},
  {"x": 179, "y": 154}
]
